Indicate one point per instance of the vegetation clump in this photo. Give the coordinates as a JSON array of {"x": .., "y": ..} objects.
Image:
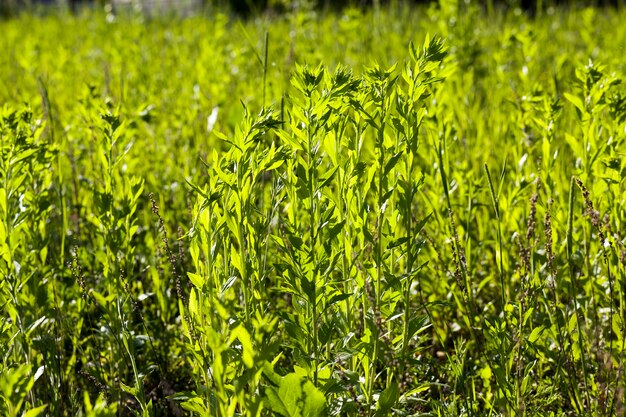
[{"x": 298, "y": 217}]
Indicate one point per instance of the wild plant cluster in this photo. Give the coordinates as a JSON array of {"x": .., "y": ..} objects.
[{"x": 298, "y": 216}]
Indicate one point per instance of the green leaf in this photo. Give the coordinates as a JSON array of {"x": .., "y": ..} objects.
[
  {"x": 128, "y": 389},
  {"x": 275, "y": 402},
  {"x": 34, "y": 412},
  {"x": 534, "y": 335},
  {"x": 235, "y": 260},
  {"x": 193, "y": 304},
  {"x": 286, "y": 401},
  {"x": 335, "y": 299},
  {"x": 247, "y": 355},
  {"x": 210, "y": 197},
  {"x": 314, "y": 401},
  {"x": 195, "y": 405},
  {"x": 616, "y": 325},
  {"x": 575, "y": 144},
  {"x": 196, "y": 280},
  {"x": 387, "y": 399},
  {"x": 576, "y": 101},
  {"x": 392, "y": 162},
  {"x": 336, "y": 228},
  {"x": 100, "y": 299}
]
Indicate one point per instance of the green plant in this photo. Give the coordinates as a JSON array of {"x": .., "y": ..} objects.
[{"x": 339, "y": 222}]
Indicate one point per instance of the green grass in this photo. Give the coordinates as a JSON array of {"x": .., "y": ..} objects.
[{"x": 298, "y": 216}]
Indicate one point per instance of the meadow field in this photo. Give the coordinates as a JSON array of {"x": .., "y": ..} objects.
[{"x": 391, "y": 211}]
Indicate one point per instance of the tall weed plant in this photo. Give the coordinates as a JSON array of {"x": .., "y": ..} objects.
[{"x": 293, "y": 216}]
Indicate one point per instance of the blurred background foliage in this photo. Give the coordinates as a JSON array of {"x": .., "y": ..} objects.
[{"x": 248, "y": 8}]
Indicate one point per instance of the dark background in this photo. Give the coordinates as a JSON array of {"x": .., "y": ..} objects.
[{"x": 247, "y": 8}]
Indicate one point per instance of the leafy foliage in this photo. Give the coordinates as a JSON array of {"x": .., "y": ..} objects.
[{"x": 328, "y": 221}]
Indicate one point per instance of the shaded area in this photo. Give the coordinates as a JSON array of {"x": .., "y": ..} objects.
[{"x": 247, "y": 8}]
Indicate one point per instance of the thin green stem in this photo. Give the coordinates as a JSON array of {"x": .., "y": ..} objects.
[
  {"x": 496, "y": 208},
  {"x": 574, "y": 286}
]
